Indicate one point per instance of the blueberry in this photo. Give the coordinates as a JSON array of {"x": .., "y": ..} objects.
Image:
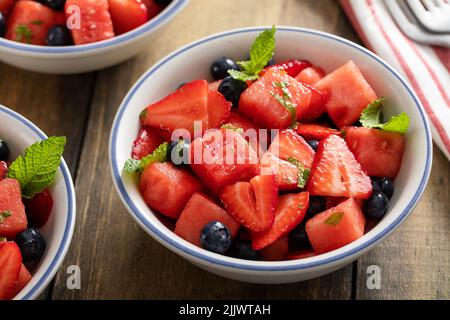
[
  {"x": 313, "y": 144},
  {"x": 375, "y": 208},
  {"x": 220, "y": 67},
  {"x": 216, "y": 237},
  {"x": 384, "y": 185},
  {"x": 54, "y": 4},
  {"x": 4, "y": 150},
  {"x": 317, "y": 205},
  {"x": 232, "y": 89},
  {"x": 59, "y": 36},
  {"x": 298, "y": 238},
  {"x": 179, "y": 152},
  {"x": 32, "y": 245},
  {"x": 243, "y": 250},
  {"x": 163, "y": 2},
  {"x": 2, "y": 25}
]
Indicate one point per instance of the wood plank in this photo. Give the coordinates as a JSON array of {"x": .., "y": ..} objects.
[
  {"x": 415, "y": 259},
  {"x": 59, "y": 105},
  {"x": 117, "y": 259}
]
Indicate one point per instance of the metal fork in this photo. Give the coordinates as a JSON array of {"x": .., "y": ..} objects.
[
  {"x": 434, "y": 15},
  {"x": 411, "y": 27}
]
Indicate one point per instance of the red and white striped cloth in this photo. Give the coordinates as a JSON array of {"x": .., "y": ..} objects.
[{"x": 426, "y": 67}]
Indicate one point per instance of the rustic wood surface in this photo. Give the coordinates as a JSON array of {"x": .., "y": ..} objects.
[{"x": 118, "y": 260}]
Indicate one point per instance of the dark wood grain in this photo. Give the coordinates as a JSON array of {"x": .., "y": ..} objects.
[{"x": 120, "y": 261}]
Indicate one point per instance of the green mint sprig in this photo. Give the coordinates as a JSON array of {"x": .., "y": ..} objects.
[
  {"x": 4, "y": 215},
  {"x": 371, "y": 118},
  {"x": 36, "y": 169},
  {"x": 23, "y": 33},
  {"x": 230, "y": 126},
  {"x": 261, "y": 53},
  {"x": 137, "y": 166},
  {"x": 334, "y": 219},
  {"x": 303, "y": 173}
]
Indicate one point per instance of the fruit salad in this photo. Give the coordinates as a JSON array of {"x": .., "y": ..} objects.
[
  {"x": 269, "y": 160},
  {"x": 73, "y": 22},
  {"x": 25, "y": 206}
]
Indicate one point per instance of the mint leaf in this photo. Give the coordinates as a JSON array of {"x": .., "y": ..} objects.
[
  {"x": 23, "y": 33},
  {"x": 4, "y": 215},
  {"x": 287, "y": 104},
  {"x": 3, "y": 239},
  {"x": 260, "y": 54},
  {"x": 371, "y": 118},
  {"x": 334, "y": 219},
  {"x": 37, "y": 22},
  {"x": 137, "y": 166},
  {"x": 303, "y": 173},
  {"x": 230, "y": 126},
  {"x": 36, "y": 169}
]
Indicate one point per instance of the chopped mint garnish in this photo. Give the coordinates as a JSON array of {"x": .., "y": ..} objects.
[
  {"x": 260, "y": 55},
  {"x": 36, "y": 170},
  {"x": 303, "y": 173},
  {"x": 231, "y": 126},
  {"x": 4, "y": 215},
  {"x": 37, "y": 22},
  {"x": 3, "y": 239},
  {"x": 137, "y": 166},
  {"x": 371, "y": 118},
  {"x": 334, "y": 219},
  {"x": 287, "y": 104},
  {"x": 283, "y": 85},
  {"x": 23, "y": 33}
]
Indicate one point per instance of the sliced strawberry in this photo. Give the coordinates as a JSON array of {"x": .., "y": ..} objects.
[
  {"x": 153, "y": 8},
  {"x": 240, "y": 121},
  {"x": 223, "y": 157},
  {"x": 301, "y": 254},
  {"x": 29, "y": 22},
  {"x": 315, "y": 131},
  {"x": 199, "y": 211},
  {"x": 3, "y": 170},
  {"x": 127, "y": 15},
  {"x": 336, "y": 227},
  {"x": 286, "y": 172},
  {"x": 96, "y": 23},
  {"x": 252, "y": 204},
  {"x": 10, "y": 264},
  {"x": 289, "y": 145},
  {"x": 289, "y": 212},
  {"x": 336, "y": 172},
  {"x": 39, "y": 208},
  {"x": 218, "y": 109},
  {"x": 6, "y": 6},
  {"x": 24, "y": 278},
  {"x": 167, "y": 188},
  {"x": 310, "y": 75},
  {"x": 276, "y": 251},
  {"x": 11, "y": 202},
  {"x": 316, "y": 107},
  {"x": 347, "y": 94},
  {"x": 146, "y": 142},
  {"x": 270, "y": 105},
  {"x": 214, "y": 86},
  {"x": 180, "y": 109},
  {"x": 292, "y": 67},
  {"x": 380, "y": 153}
]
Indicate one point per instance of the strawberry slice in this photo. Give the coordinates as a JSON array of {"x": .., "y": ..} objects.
[
  {"x": 336, "y": 172},
  {"x": 310, "y": 75},
  {"x": 290, "y": 211},
  {"x": 276, "y": 251},
  {"x": 315, "y": 131},
  {"x": 127, "y": 15},
  {"x": 146, "y": 142},
  {"x": 153, "y": 8},
  {"x": 218, "y": 109},
  {"x": 252, "y": 203},
  {"x": 10, "y": 265},
  {"x": 199, "y": 211},
  {"x": 39, "y": 208},
  {"x": 287, "y": 144},
  {"x": 286, "y": 172},
  {"x": 180, "y": 109},
  {"x": 3, "y": 170},
  {"x": 24, "y": 278},
  {"x": 11, "y": 203},
  {"x": 292, "y": 67}
]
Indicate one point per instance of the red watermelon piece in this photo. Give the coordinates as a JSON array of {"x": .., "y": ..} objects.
[{"x": 11, "y": 203}]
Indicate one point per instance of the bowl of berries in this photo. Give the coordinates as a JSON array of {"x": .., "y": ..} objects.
[
  {"x": 37, "y": 207},
  {"x": 75, "y": 36},
  {"x": 276, "y": 155}
]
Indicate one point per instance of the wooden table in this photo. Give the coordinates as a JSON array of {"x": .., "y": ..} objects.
[{"x": 118, "y": 260}]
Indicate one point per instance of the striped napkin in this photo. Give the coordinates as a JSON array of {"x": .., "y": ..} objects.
[{"x": 426, "y": 67}]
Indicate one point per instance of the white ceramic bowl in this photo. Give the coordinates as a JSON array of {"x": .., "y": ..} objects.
[
  {"x": 88, "y": 57},
  {"x": 325, "y": 50},
  {"x": 20, "y": 133}
]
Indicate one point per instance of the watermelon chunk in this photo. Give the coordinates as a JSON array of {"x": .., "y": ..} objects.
[
  {"x": 379, "y": 152},
  {"x": 11, "y": 202},
  {"x": 167, "y": 189},
  {"x": 199, "y": 211},
  {"x": 347, "y": 94},
  {"x": 258, "y": 101},
  {"x": 310, "y": 75},
  {"x": 327, "y": 232}
]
